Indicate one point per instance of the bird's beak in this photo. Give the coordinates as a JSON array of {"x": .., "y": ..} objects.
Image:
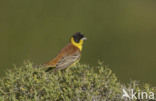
[{"x": 84, "y": 38}]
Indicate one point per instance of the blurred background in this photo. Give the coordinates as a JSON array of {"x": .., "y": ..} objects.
[{"x": 122, "y": 33}]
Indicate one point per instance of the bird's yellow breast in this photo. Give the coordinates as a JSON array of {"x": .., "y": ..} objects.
[{"x": 78, "y": 45}]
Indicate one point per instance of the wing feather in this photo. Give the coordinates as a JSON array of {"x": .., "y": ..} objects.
[{"x": 66, "y": 61}]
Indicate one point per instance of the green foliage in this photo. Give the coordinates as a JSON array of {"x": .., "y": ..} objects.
[{"x": 78, "y": 83}]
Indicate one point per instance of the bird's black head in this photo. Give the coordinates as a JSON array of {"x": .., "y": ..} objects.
[{"x": 78, "y": 36}]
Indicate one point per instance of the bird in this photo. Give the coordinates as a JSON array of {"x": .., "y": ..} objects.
[{"x": 69, "y": 55}]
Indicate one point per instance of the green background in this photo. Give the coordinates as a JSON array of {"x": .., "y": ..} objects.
[{"x": 122, "y": 33}]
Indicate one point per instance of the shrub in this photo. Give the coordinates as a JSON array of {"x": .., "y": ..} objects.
[{"x": 78, "y": 83}]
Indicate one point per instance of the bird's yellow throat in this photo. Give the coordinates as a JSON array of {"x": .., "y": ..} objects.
[{"x": 78, "y": 45}]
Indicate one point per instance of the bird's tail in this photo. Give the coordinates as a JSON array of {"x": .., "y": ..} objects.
[
  {"x": 50, "y": 69},
  {"x": 44, "y": 67}
]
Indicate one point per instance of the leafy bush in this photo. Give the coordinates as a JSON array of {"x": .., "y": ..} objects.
[{"x": 78, "y": 83}]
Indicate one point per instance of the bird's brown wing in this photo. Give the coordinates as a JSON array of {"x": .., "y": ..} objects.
[
  {"x": 67, "y": 61},
  {"x": 66, "y": 57}
]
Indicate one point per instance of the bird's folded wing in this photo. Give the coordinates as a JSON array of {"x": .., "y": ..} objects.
[{"x": 68, "y": 60}]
